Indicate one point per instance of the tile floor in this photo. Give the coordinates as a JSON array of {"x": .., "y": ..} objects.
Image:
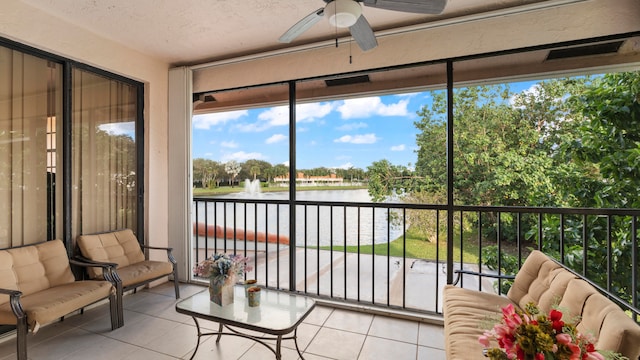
[{"x": 155, "y": 331}]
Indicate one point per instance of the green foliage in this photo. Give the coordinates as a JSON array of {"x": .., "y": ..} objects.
[
  {"x": 498, "y": 158},
  {"x": 508, "y": 265},
  {"x": 386, "y": 178},
  {"x": 254, "y": 169},
  {"x": 607, "y": 141},
  {"x": 206, "y": 173},
  {"x": 425, "y": 222},
  {"x": 567, "y": 142}
]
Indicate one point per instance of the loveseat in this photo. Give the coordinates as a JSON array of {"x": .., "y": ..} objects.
[
  {"x": 38, "y": 287},
  {"x": 121, "y": 249},
  {"x": 545, "y": 282}
]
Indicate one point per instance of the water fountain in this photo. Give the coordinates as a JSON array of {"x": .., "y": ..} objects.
[{"x": 252, "y": 187}]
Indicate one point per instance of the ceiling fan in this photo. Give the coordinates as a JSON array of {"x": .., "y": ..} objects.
[{"x": 348, "y": 13}]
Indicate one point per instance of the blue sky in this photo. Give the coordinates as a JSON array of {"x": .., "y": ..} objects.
[{"x": 333, "y": 134}]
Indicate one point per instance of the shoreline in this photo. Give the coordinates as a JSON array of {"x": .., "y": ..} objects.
[{"x": 224, "y": 190}]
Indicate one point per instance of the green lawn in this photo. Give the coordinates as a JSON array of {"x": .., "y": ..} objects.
[{"x": 415, "y": 247}]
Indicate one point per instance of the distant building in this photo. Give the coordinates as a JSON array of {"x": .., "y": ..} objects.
[{"x": 302, "y": 179}]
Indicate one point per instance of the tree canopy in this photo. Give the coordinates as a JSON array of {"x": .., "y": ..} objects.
[{"x": 562, "y": 142}]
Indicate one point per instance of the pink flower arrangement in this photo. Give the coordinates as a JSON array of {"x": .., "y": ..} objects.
[
  {"x": 530, "y": 335},
  {"x": 222, "y": 267}
]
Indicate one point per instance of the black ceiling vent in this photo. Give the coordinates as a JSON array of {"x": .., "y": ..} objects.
[
  {"x": 587, "y": 50},
  {"x": 348, "y": 80},
  {"x": 204, "y": 97}
]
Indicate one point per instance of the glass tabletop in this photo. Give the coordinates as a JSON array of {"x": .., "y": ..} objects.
[{"x": 279, "y": 312}]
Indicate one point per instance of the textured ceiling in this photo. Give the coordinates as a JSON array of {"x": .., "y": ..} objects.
[{"x": 186, "y": 32}]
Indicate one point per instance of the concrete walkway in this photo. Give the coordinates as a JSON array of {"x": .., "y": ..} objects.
[{"x": 370, "y": 279}]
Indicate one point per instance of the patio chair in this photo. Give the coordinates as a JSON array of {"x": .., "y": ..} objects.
[{"x": 132, "y": 270}]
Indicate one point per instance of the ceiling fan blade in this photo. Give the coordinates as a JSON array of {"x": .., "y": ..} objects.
[
  {"x": 363, "y": 34},
  {"x": 301, "y": 26},
  {"x": 410, "y": 6}
]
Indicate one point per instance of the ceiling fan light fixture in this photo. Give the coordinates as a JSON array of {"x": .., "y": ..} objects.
[{"x": 343, "y": 13}]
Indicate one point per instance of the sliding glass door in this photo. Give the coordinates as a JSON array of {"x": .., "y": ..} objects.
[
  {"x": 46, "y": 193},
  {"x": 30, "y": 148},
  {"x": 104, "y": 185}
]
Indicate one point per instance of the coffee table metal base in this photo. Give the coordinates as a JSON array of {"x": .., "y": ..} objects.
[{"x": 259, "y": 339}]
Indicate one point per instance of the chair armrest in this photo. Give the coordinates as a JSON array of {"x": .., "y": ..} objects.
[
  {"x": 169, "y": 251},
  {"x": 475, "y": 273},
  {"x": 10, "y": 292},
  {"x": 156, "y": 247},
  {"x": 108, "y": 268},
  {"x": 82, "y": 261},
  {"x": 14, "y": 301}
]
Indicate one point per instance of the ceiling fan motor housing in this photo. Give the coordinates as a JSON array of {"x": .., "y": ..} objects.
[{"x": 343, "y": 13}]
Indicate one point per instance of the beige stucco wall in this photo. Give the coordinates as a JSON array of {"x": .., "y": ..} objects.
[
  {"x": 579, "y": 20},
  {"x": 17, "y": 22}
]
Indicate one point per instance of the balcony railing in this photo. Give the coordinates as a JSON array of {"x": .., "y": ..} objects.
[{"x": 343, "y": 250}]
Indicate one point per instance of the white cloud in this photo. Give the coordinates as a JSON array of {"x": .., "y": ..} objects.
[
  {"x": 345, "y": 166},
  {"x": 400, "y": 147},
  {"x": 312, "y": 112},
  {"x": 275, "y": 138},
  {"x": 357, "y": 139},
  {"x": 229, "y": 144},
  {"x": 352, "y": 126},
  {"x": 123, "y": 128},
  {"x": 206, "y": 121},
  {"x": 241, "y": 156},
  {"x": 279, "y": 116},
  {"x": 275, "y": 116},
  {"x": 286, "y": 163},
  {"x": 534, "y": 90},
  {"x": 366, "y": 107}
]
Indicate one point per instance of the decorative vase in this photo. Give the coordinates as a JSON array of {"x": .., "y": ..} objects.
[{"x": 221, "y": 290}]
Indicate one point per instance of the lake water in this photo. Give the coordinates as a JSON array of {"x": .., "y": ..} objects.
[{"x": 315, "y": 225}]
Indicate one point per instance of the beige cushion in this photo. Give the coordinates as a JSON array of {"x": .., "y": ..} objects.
[
  {"x": 602, "y": 318},
  {"x": 621, "y": 334},
  {"x": 34, "y": 268},
  {"x": 120, "y": 247},
  {"x": 467, "y": 314},
  {"x": 8, "y": 279},
  {"x": 49, "y": 290},
  {"x": 50, "y": 304},
  {"x": 143, "y": 271},
  {"x": 546, "y": 283},
  {"x": 573, "y": 306},
  {"x": 541, "y": 281}
]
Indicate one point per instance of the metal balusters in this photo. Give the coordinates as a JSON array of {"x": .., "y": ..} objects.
[
  {"x": 521, "y": 220},
  {"x": 344, "y": 238}
]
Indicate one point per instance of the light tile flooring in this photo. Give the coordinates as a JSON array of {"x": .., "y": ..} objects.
[{"x": 154, "y": 330}]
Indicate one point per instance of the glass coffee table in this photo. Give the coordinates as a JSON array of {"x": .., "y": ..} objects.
[{"x": 279, "y": 314}]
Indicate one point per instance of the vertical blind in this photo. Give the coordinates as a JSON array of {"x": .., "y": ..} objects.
[
  {"x": 103, "y": 156},
  {"x": 30, "y": 103}
]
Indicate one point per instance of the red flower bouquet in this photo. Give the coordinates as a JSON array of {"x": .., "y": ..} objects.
[{"x": 530, "y": 335}]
